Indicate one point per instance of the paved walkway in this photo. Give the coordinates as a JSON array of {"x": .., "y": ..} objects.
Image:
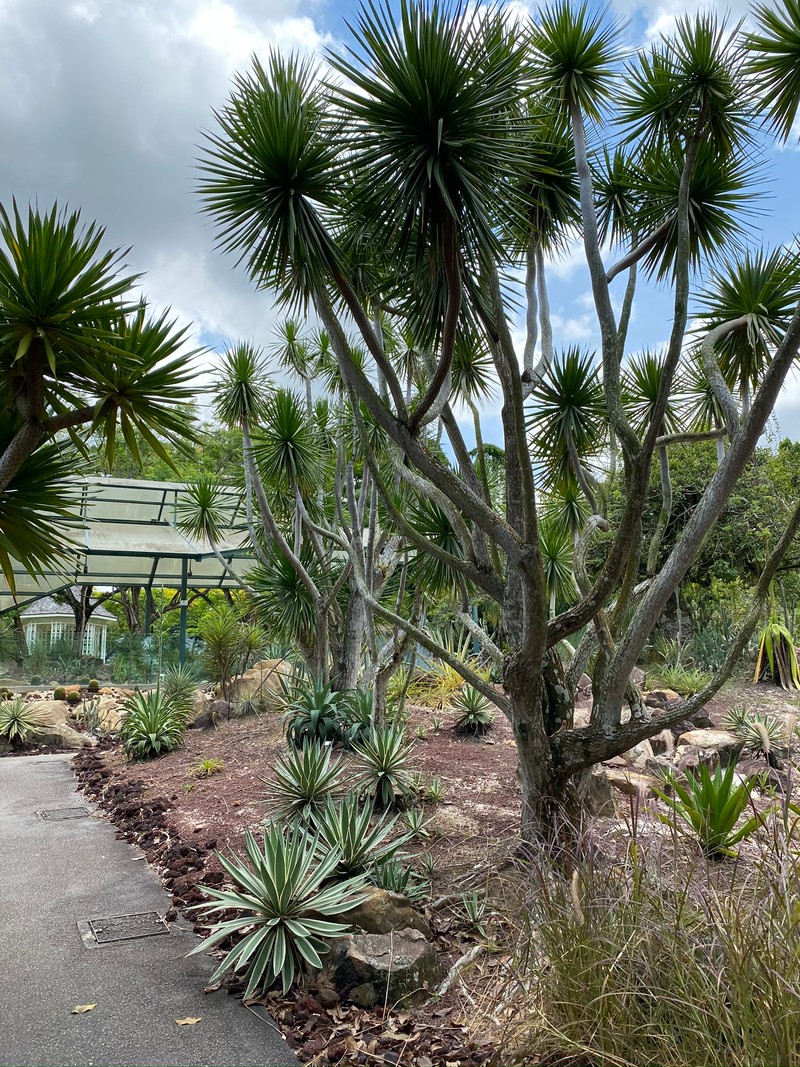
[{"x": 56, "y": 874}]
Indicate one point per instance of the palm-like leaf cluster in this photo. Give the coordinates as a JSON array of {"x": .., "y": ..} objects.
[
  {"x": 712, "y": 806},
  {"x": 152, "y": 725},
  {"x": 303, "y": 778}
]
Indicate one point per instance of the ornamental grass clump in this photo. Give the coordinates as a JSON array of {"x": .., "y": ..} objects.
[{"x": 287, "y": 914}]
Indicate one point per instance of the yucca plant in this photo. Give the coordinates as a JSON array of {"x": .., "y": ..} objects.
[
  {"x": 345, "y": 828},
  {"x": 417, "y": 822},
  {"x": 178, "y": 686},
  {"x": 303, "y": 779},
  {"x": 18, "y": 720},
  {"x": 151, "y": 726},
  {"x": 683, "y": 680},
  {"x": 382, "y": 762},
  {"x": 286, "y": 915},
  {"x": 473, "y": 712},
  {"x": 736, "y": 717},
  {"x": 777, "y": 656},
  {"x": 711, "y": 807}
]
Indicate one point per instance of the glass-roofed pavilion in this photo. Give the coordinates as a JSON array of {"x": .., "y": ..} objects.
[{"x": 127, "y": 533}]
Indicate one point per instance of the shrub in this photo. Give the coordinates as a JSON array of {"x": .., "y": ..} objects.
[
  {"x": 151, "y": 726},
  {"x": 344, "y": 827},
  {"x": 711, "y": 807},
  {"x": 382, "y": 759},
  {"x": 303, "y": 779},
  {"x": 59, "y": 693},
  {"x": 18, "y": 720},
  {"x": 285, "y": 914},
  {"x": 93, "y": 685},
  {"x": 474, "y": 712}
]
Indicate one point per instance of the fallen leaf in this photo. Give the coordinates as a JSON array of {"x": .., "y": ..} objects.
[
  {"x": 188, "y": 1021},
  {"x": 81, "y": 1009},
  {"x": 212, "y": 988}
]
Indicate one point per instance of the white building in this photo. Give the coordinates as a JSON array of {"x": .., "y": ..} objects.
[{"x": 49, "y": 622}]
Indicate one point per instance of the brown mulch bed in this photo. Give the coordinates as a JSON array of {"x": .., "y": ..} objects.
[{"x": 180, "y": 821}]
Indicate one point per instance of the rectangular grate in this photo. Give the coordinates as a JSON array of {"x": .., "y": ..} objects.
[
  {"x": 128, "y": 927},
  {"x": 59, "y": 814}
]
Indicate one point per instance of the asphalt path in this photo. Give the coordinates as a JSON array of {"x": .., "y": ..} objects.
[{"x": 55, "y": 875}]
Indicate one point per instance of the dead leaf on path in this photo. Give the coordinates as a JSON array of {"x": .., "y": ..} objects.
[
  {"x": 188, "y": 1021},
  {"x": 213, "y": 988},
  {"x": 81, "y": 1009}
]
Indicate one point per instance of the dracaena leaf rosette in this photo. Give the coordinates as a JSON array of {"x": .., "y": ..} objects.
[
  {"x": 242, "y": 387},
  {"x": 429, "y": 102},
  {"x": 37, "y": 507},
  {"x": 761, "y": 287},
  {"x": 271, "y": 178},
  {"x": 567, "y": 414},
  {"x": 774, "y": 63},
  {"x": 146, "y": 389},
  {"x": 643, "y": 377}
]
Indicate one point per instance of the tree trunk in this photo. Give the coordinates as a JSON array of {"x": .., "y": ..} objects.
[{"x": 349, "y": 660}]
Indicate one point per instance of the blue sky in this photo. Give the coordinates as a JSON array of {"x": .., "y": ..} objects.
[{"x": 101, "y": 104}]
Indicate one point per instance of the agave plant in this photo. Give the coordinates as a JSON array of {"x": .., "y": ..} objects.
[
  {"x": 18, "y": 720},
  {"x": 151, "y": 726},
  {"x": 345, "y": 828},
  {"x": 357, "y": 713},
  {"x": 286, "y": 915},
  {"x": 473, "y": 710},
  {"x": 711, "y": 807},
  {"x": 303, "y": 780},
  {"x": 382, "y": 759},
  {"x": 314, "y": 711}
]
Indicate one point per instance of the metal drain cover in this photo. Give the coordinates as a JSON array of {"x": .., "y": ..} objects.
[
  {"x": 59, "y": 814},
  {"x": 127, "y": 927}
]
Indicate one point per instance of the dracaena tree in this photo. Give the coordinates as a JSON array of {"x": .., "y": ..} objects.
[
  {"x": 79, "y": 355},
  {"x": 447, "y": 149}
]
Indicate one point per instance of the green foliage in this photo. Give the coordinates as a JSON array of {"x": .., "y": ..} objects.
[
  {"x": 205, "y": 768},
  {"x": 303, "y": 778},
  {"x": 17, "y": 720},
  {"x": 178, "y": 686},
  {"x": 774, "y": 54},
  {"x": 436, "y": 791},
  {"x": 473, "y": 712},
  {"x": 381, "y": 759},
  {"x": 682, "y": 679},
  {"x": 763, "y": 735},
  {"x": 230, "y": 643},
  {"x": 399, "y": 878},
  {"x": 151, "y": 726},
  {"x": 711, "y": 808},
  {"x": 344, "y": 827},
  {"x": 417, "y": 822},
  {"x": 314, "y": 711},
  {"x": 285, "y": 909}
]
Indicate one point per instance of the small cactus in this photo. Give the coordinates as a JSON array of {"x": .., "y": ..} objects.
[
  {"x": 93, "y": 686},
  {"x": 73, "y": 697},
  {"x": 59, "y": 693}
]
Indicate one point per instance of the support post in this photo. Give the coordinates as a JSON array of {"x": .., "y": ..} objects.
[
  {"x": 148, "y": 609},
  {"x": 184, "y": 606}
]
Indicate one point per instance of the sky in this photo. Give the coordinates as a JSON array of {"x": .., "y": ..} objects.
[{"x": 103, "y": 104}]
